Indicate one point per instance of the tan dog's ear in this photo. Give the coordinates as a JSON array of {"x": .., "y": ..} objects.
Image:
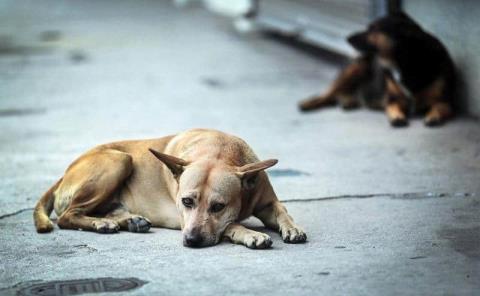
[
  {"x": 248, "y": 173},
  {"x": 175, "y": 164}
]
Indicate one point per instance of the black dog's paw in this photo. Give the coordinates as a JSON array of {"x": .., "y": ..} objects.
[
  {"x": 434, "y": 122},
  {"x": 138, "y": 224},
  {"x": 349, "y": 105},
  {"x": 399, "y": 122}
]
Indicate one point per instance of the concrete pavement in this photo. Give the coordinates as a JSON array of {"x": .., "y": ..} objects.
[{"x": 387, "y": 211}]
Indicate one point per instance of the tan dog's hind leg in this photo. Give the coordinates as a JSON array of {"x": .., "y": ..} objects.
[
  {"x": 94, "y": 178},
  {"x": 239, "y": 234},
  {"x": 275, "y": 216},
  {"x": 41, "y": 213},
  {"x": 343, "y": 89}
]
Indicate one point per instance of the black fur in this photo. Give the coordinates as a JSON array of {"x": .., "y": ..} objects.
[{"x": 420, "y": 57}]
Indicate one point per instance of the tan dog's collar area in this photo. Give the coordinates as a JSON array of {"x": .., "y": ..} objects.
[{"x": 200, "y": 181}]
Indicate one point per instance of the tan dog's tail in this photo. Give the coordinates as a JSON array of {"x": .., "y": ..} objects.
[{"x": 41, "y": 214}]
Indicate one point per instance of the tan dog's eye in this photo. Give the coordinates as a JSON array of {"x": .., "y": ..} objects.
[
  {"x": 217, "y": 207},
  {"x": 187, "y": 202}
]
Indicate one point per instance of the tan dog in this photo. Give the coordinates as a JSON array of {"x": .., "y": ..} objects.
[{"x": 209, "y": 182}]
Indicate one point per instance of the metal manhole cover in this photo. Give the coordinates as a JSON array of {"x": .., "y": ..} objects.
[{"x": 77, "y": 287}]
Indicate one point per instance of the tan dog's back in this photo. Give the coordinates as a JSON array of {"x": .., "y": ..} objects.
[{"x": 135, "y": 165}]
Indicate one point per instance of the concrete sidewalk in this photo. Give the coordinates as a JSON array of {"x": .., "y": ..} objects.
[{"x": 387, "y": 211}]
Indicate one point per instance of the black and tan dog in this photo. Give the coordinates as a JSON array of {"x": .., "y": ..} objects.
[{"x": 415, "y": 68}]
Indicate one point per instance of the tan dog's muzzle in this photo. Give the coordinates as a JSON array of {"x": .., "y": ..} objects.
[{"x": 193, "y": 238}]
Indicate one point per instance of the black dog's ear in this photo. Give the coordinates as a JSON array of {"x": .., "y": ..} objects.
[
  {"x": 175, "y": 164},
  {"x": 357, "y": 37},
  {"x": 403, "y": 21},
  {"x": 248, "y": 173},
  {"x": 400, "y": 14},
  {"x": 359, "y": 41}
]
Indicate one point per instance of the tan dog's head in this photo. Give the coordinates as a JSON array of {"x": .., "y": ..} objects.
[{"x": 209, "y": 195}]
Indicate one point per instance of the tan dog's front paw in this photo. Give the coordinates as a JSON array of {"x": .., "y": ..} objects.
[
  {"x": 293, "y": 235},
  {"x": 257, "y": 240},
  {"x": 105, "y": 226}
]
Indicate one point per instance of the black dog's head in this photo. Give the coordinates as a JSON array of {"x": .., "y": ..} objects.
[{"x": 385, "y": 34}]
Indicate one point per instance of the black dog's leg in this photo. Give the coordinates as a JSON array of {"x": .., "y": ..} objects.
[
  {"x": 437, "y": 98},
  {"x": 344, "y": 88},
  {"x": 396, "y": 102}
]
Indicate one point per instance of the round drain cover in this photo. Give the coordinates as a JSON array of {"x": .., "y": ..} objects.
[{"x": 77, "y": 287}]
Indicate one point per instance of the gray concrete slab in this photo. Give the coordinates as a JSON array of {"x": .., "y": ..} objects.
[
  {"x": 373, "y": 246},
  {"x": 79, "y": 73}
]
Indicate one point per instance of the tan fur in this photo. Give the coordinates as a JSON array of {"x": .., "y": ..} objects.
[
  {"x": 438, "y": 112},
  {"x": 123, "y": 186},
  {"x": 43, "y": 209},
  {"x": 395, "y": 113},
  {"x": 395, "y": 102}
]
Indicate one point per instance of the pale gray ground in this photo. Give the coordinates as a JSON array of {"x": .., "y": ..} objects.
[{"x": 78, "y": 73}]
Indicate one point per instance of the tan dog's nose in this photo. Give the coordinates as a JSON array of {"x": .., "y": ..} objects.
[{"x": 193, "y": 239}]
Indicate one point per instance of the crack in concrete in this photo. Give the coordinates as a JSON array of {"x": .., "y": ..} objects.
[
  {"x": 15, "y": 213},
  {"x": 332, "y": 197},
  {"x": 15, "y": 286},
  {"x": 408, "y": 195}
]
